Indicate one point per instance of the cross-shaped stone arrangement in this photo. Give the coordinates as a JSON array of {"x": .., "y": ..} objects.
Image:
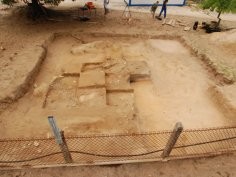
[
  {"x": 111, "y": 76},
  {"x": 98, "y": 96},
  {"x": 99, "y": 84}
]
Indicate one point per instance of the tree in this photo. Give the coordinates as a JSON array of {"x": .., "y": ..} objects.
[
  {"x": 35, "y": 6},
  {"x": 8, "y": 2},
  {"x": 219, "y": 6}
]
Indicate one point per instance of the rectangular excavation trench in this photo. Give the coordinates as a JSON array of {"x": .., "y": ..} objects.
[{"x": 115, "y": 85}]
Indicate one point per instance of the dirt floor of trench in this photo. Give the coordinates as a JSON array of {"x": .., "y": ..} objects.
[{"x": 113, "y": 85}]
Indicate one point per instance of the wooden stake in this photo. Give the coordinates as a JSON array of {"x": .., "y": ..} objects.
[
  {"x": 60, "y": 139},
  {"x": 172, "y": 140}
]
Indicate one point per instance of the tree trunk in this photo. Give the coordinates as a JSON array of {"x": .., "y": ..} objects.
[
  {"x": 35, "y": 3},
  {"x": 36, "y": 9},
  {"x": 219, "y": 19}
]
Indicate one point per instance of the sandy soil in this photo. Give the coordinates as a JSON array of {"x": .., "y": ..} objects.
[
  {"x": 223, "y": 166},
  {"x": 176, "y": 75},
  {"x": 179, "y": 81},
  {"x": 190, "y": 11}
]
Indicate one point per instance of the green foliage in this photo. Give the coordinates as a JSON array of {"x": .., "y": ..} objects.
[
  {"x": 220, "y": 5},
  {"x": 8, "y": 2},
  {"x": 52, "y": 2}
]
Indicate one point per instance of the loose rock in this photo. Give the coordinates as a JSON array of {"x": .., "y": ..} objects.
[
  {"x": 36, "y": 143},
  {"x": 187, "y": 28},
  {"x": 2, "y": 48}
]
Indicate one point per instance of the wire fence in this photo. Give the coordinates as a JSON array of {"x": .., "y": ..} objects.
[{"x": 117, "y": 148}]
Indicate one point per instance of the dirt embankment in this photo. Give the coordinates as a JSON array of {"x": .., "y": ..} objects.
[
  {"x": 18, "y": 75},
  {"x": 25, "y": 66},
  {"x": 225, "y": 98}
]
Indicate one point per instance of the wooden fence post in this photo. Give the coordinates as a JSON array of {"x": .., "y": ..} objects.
[
  {"x": 60, "y": 139},
  {"x": 172, "y": 140}
]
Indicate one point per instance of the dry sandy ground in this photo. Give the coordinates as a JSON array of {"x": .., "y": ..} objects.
[
  {"x": 191, "y": 11},
  {"x": 223, "y": 166},
  {"x": 175, "y": 75}
]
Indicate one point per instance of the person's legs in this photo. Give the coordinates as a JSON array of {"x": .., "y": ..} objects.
[
  {"x": 164, "y": 12},
  {"x": 162, "y": 9},
  {"x": 153, "y": 13},
  {"x": 105, "y": 9}
]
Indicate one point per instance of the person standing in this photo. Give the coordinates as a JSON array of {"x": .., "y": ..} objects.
[
  {"x": 105, "y": 3},
  {"x": 163, "y": 9},
  {"x": 154, "y": 8}
]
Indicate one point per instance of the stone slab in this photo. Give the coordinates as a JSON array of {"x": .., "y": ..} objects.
[
  {"x": 138, "y": 70},
  {"x": 115, "y": 82},
  {"x": 93, "y": 78},
  {"x": 92, "y": 97}
]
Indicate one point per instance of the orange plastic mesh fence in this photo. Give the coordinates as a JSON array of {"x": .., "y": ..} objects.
[
  {"x": 118, "y": 148},
  {"x": 29, "y": 152},
  {"x": 205, "y": 141}
]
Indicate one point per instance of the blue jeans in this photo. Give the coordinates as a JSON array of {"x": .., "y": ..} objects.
[{"x": 163, "y": 9}]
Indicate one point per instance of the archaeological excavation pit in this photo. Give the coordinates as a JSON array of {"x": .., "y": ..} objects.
[{"x": 115, "y": 85}]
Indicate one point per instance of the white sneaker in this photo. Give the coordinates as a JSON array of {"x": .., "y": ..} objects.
[{"x": 164, "y": 21}]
